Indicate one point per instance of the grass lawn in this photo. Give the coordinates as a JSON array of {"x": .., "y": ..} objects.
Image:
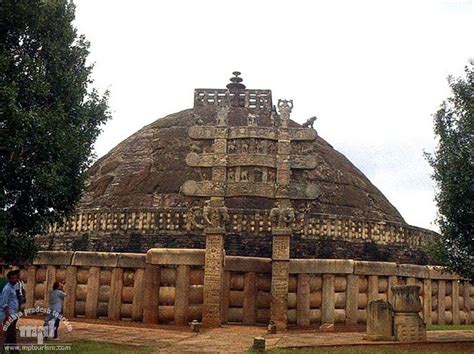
[
  {"x": 92, "y": 347},
  {"x": 435, "y": 348},
  {"x": 449, "y": 327}
]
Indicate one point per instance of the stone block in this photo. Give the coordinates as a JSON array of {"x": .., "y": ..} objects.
[
  {"x": 321, "y": 266},
  {"x": 248, "y": 264},
  {"x": 413, "y": 271},
  {"x": 436, "y": 272},
  {"x": 53, "y": 258},
  {"x": 379, "y": 321},
  {"x": 131, "y": 260},
  {"x": 406, "y": 299},
  {"x": 167, "y": 256},
  {"x": 409, "y": 327},
  {"x": 95, "y": 259},
  {"x": 375, "y": 268},
  {"x": 258, "y": 343}
]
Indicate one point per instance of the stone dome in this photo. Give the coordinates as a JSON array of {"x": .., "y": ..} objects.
[
  {"x": 148, "y": 169},
  {"x": 236, "y": 145}
]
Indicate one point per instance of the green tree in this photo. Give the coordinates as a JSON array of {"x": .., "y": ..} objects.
[
  {"x": 453, "y": 164},
  {"x": 49, "y": 120}
]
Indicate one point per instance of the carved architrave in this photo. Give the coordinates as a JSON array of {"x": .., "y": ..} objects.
[
  {"x": 210, "y": 132},
  {"x": 257, "y": 189},
  {"x": 209, "y": 160},
  {"x": 243, "y": 188},
  {"x": 253, "y": 132},
  {"x": 251, "y": 160},
  {"x": 302, "y": 134}
]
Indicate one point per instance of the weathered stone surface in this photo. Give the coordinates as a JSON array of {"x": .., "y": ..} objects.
[
  {"x": 321, "y": 266},
  {"x": 53, "y": 258},
  {"x": 175, "y": 256},
  {"x": 379, "y": 321},
  {"x": 374, "y": 268},
  {"x": 406, "y": 298},
  {"x": 248, "y": 264},
  {"x": 96, "y": 259}
]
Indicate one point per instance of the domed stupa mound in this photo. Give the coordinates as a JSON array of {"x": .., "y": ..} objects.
[{"x": 237, "y": 145}]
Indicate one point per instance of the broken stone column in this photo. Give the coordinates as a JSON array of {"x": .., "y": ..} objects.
[
  {"x": 379, "y": 321},
  {"x": 408, "y": 325}
]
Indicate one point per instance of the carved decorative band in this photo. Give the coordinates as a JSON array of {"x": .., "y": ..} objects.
[
  {"x": 245, "y": 188},
  {"x": 210, "y": 132},
  {"x": 265, "y": 160},
  {"x": 313, "y": 226}
]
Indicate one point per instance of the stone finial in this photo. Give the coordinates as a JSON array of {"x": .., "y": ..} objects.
[
  {"x": 285, "y": 107},
  {"x": 310, "y": 122},
  {"x": 236, "y": 82}
]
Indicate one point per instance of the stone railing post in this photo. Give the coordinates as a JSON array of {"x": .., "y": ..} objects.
[{"x": 151, "y": 292}]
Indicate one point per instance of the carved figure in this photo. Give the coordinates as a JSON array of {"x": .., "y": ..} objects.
[
  {"x": 222, "y": 114},
  {"x": 271, "y": 148},
  {"x": 274, "y": 116},
  {"x": 285, "y": 107},
  {"x": 310, "y": 122},
  {"x": 215, "y": 217},
  {"x": 261, "y": 146},
  {"x": 194, "y": 219},
  {"x": 258, "y": 175},
  {"x": 244, "y": 175},
  {"x": 282, "y": 217},
  {"x": 252, "y": 120},
  {"x": 245, "y": 147},
  {"x": 231, "y": 148},
  {"x": 231, "y": 175}
]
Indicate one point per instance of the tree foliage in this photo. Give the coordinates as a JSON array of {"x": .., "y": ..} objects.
[
  {"x": 49, "y": 120},
  {"x": 453, "y": 164}
]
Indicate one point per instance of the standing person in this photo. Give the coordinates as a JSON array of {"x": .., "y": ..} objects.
[
  {"x": 20, "y": 289},
  {"x": 55, "y": 308},
  {"x": 9, "y": 306}
]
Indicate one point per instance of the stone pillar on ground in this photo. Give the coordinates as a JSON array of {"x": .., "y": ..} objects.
[
  {"x": 408, "y": 325},
  {"x": 379, "y": 321},
  {"x": 215, "y": 216}
]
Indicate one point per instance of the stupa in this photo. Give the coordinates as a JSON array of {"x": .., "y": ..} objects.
[{"x": 241, "y": 148}]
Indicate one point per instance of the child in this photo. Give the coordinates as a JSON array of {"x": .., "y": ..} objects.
[{"x": 55, "y": 307}]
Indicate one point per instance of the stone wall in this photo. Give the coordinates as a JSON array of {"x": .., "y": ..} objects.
[
  {"x": 249, "y": 234},
  {"x": 166, "y": 286}
]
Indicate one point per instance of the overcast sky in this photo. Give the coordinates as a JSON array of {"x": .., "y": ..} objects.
[{"x": 373, "y": 72}]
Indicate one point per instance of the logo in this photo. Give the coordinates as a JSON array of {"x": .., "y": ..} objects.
[{"x": 48, "y": 330}]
